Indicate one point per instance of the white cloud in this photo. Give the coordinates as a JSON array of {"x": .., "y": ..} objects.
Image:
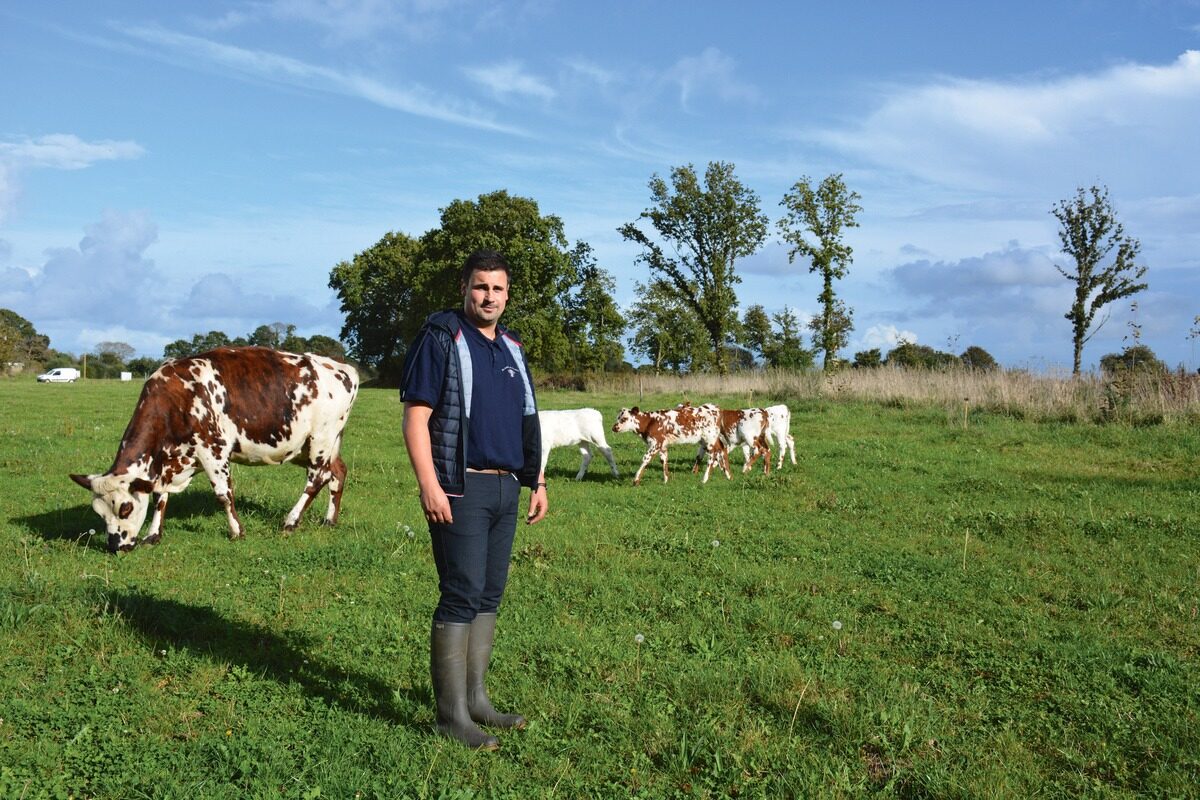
[
  {"x": 979, "y": 278},
  {"x": 342, "y": 21},
  {"x": 54, "y": 151},
  {"x": 221, "y": 300},
  {"x": 65, "y": 151},
  {"x": 591, "y": 71},
  {"x": 356, "y": 20},
  {"x": 885, "y": 337},
  {"x": 508, "y": 78},
  {"x": 107, "y": 287},
  {"x": 711, "y": 72},
  {"x": 1065, "y": 130},
  {"x": 289, "y": 71}
]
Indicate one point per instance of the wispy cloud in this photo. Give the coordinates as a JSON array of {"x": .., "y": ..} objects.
[
  {"x": 264, "y": 65},
  {"x": 509, "y": 78},
  {"x": 65, "y": 151},
  {"x": 711, "y": 72},
  {"x": 992, "y": 133},
  {"x": 54, "y": 151},
  {"x": 342, "y": 21}
]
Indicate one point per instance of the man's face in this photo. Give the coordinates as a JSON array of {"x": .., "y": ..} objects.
[{"x": 485, "y": 296}]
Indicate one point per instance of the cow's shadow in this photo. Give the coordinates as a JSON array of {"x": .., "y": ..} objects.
[
  {"x": 283, "y": 657},
  {"x": 73, "y": 523}
]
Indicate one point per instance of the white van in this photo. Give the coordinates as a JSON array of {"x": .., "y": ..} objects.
[{"x": 59, "y": 375}]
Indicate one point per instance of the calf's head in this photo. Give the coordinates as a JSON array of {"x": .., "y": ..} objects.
[
  {"x": 627, "y": 420},
  {"x": 122, "y": 503}
]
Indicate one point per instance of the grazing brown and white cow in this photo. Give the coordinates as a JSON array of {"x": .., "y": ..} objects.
[
  {"x": 685, "y": 424},
  {"x": 249, "y": 405}
]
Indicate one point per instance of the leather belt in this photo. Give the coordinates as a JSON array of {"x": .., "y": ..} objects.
[{"x": 489, "y": 471}]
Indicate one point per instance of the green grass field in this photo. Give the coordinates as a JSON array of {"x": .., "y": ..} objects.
[{"x": 922, "y": 607}]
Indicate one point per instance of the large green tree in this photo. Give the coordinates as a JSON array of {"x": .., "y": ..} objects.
[
  {"x": 595, "y": 326},
  {"x": 666, "y": 332},
  {"x": 1089, "y": 232},
  {"x": 785, "y": 349},
  {"x": 814, "y": 223},
  {"x": 775, "y": 338},
  {"x": 700, "y": 230},
  {"x": 756, "y": 330},
  {"x": 535, "y": 245},
  {"x": 26, "y": 345},
  {"x": 384, "y": 299},
  {"x": 200, "y": 343}
]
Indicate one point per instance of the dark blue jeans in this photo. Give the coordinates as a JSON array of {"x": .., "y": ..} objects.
[{"x": 473, "y": 552}]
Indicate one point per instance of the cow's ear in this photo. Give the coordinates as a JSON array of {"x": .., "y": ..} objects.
[
  {"x": 125, "y": 510},
  {"x": 83, "y": 480},
  {"x": 141, "y": 485},
  {"x": 634, "y": 409}
]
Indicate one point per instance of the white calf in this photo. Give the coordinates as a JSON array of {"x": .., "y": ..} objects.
[
  {"x": 581, "y": 426},
  {"x": 779, "y": 426}
]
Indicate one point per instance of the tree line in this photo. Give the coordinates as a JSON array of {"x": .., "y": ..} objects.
[
  {"x": 685, "y": 318},
  {"x": 694, "y": 232}
]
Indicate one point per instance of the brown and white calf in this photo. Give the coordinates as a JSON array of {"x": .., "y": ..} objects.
[
  {"x": 249, "y": 405},
  {"x": 779, "y": 430},
  {"x": 685, "y": 424},
  {"x": 746, "y": 428}
]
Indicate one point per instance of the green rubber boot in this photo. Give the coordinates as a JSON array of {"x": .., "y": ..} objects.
[
  {"x": 448, "y": 668},
  {"x": 479, "y": 653}
]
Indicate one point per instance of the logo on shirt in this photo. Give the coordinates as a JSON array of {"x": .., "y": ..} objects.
[{"x": 510, "y": 372}]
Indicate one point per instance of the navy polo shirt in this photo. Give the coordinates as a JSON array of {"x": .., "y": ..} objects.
[{"x": 497, "y": 396}]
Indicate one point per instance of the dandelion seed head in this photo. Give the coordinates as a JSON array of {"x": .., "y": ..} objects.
[
  {"x": 716, "y": 542},
  {"x": 837, "y": 624},
  {"x": 639, "y": 638}
]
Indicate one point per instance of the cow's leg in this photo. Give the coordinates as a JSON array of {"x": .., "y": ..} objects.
[
  {"x": 701, "y": 454},
  {"x": 717, "y": 456},
  {"x": 612, "y": 462},
  {"x": 791, "y": 446},
  {"x": 222, "y": 484},
  {"x": 337, "y": 482},
  {"x": 154, "y": 533},
  {"x": 646, "y": 459},
  {"x": 318, "y": 476},
  {"x": 761, "y": 450},
  {"x": 662, "y": 456},
  {"x": 745, "y": 457},
  {"x": 585, "y": 450}
]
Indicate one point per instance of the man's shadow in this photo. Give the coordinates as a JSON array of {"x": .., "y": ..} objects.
[{"x": 283, "y": 657}]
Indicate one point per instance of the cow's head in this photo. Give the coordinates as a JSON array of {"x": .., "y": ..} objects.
[
  {"x": 121, "y": 502},
  {"x": 627, "y": 420}
]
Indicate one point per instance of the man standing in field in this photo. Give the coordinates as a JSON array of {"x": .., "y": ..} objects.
[{"x": 472, "y": 433}]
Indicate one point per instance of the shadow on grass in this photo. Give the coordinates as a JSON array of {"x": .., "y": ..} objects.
[
  {"x": 283, "y": 657},
  {"x": 73, "y": 523}
]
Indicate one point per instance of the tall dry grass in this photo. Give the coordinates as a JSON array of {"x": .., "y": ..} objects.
[{"x": 1138, "y": 398}]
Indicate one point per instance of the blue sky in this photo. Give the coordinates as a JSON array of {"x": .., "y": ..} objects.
[{"x": 167, "y": 169}]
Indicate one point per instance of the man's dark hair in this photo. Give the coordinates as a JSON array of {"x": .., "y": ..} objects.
[{"x": 486, "y": 261}]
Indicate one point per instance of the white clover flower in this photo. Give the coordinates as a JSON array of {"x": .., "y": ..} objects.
[
  {"x": 639, "y": 638},
  {"x": 837, "y": 624}
]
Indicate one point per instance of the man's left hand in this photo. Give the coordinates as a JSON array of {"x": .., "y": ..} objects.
[{"x": 538, "y": 505}]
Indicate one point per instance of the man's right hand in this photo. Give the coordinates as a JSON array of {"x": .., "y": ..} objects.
[{"x": 436, "y": 506}]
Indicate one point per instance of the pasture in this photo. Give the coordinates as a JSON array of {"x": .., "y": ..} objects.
[{"x": 927, "y": 605}]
